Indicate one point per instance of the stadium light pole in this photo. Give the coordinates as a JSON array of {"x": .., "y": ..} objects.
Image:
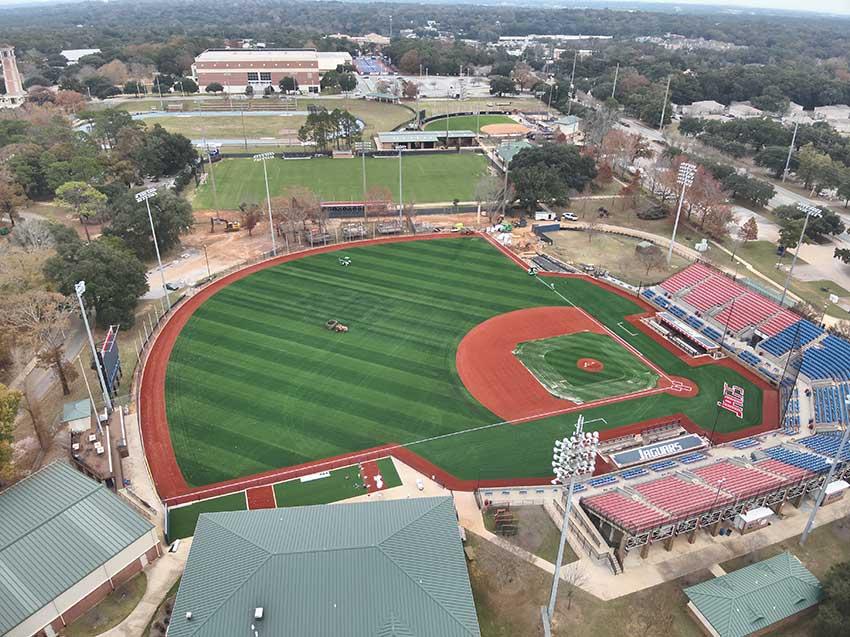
[
  {"x": 664, "y": 105},
  {"x": 810, "y": 211},
  {"x": 572, "y": 84},
  {"x": 790, "y": 152},
  {"x": 835, "y": 461},
  {"x": 686, "y": 179},
  {"x": 80, "y": 289},
  {"x": 146, "y": 196},
  {"x": 263, "y": 157},
  {"x": 616, "y": 76},
  {"x": 573, "y": 456},
  {"x": 400, "y": 191},
  {"x": 212, "y": 178}
]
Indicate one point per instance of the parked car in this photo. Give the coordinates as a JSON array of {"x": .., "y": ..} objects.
[{"x": 569, "y": 216}]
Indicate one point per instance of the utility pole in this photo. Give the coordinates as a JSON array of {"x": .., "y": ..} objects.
[
  {"x": 790, "y": 152},
  {"x": 263, "y": 157},
  {"x": 572, "y": 84},
  {"x": 664, "y": 105},
  {"x": 146, "y": 196},
  {"x": 363, "y": 165},
  {"x": 400, "y": 191},
  {"x": 212, "y": 180},
  {"x": 616, "y": 75},
  {"x": 80, "y": 289}
]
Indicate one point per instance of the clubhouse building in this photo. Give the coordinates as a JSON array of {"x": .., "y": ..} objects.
[{"x": 236, "y": 69}]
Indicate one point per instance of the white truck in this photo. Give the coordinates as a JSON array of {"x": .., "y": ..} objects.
[{"x": 543, "y": 215}]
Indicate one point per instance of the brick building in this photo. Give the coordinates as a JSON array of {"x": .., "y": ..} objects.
[
  {"x": 66, "y": 542},
  {"x": 236, "y": 69}
]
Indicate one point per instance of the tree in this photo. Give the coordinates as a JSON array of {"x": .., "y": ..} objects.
[
  {"x": 547, "y": 173},
  {"x": 773, "y": 158},
  {"x": 11, "y": 198},
  {"x": 250, "y": 216},
  {"x": 815, "y": 168},
  {"x": 843, "y": 254},
  {"x": 10, "y": 400},
  {"x": 716, "y": 222},
  {"x": 749, "y": 231},
  {"x": 32, "y": 235},
  {"x": 572, "y": 579},
  {"x": 817, "y": 229},
  {"x": 115, "y": 278},
  {"x": 187, "y": 85},
  {"x": 293, "y": 208},
  {"x": 329, "y": 80},
  {"x": 214, "y": 87},
  {"x": 85, "y": 201},
  {"x": 411, "y": 90},
  {"x": 249, "y": 91},
  {"x": 40, "y": 319},
  {"x": 288, "y": 85},
  {"x": 600, "y": 121},
  {"x": 409, "y": 62},
  {"x": 834, "y": 610},
  {"x": 106, "y": 124},
  {"x": 499, "y": 85},
  {"x": 651, "y": 259},
  {"x": 347, "y": 82},
  {"x": 753, "y": 190},
  {"x": 172, "y": 218},
  {"x": 524, "y": 75},
  {"x": 488, "y": 194}
]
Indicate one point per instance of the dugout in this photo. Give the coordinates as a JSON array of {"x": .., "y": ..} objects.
[{"x": 683, "y": 335}]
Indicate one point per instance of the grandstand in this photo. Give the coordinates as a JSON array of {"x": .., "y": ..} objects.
[{"x": 638, "y": 514}]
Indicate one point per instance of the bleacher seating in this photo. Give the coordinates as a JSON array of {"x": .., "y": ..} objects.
[
  {"x": 745, "y": 443},
  {"x": 631, "y": 474},
  {"x": 662, "y": 302},
  {"x": 663, "y": 465},
  {"x": 806, "y": 461},
  {"x": 779, "y": 323},
  {"x": 713, "y": 292},
  {"x": 797, "y": 334},
  {"x": 790, "y": 472},
  {"x": 711, "y": 333},
  {"x": 578, "y": 488},
  {"x": 748, "y": 309},
  {"x": 677, "y": 311},
  {"x": 827, "y": 444},
  {"x": 624, "y": 511},
  {"x": 691, "y": 458},
  {"x": 742, "y": 482},
  {"x": 828, "y": 359},
  {"x": 829, "y": 403},
  {"x": 680, "y": 497},
  {"x": 694, "y": 322},
  {"x": 602, "y": 481},
  {"x": 791, "y": 423},
  {"x": 648, "y": 294},
  {"x": 688, "y": 277},
  {"x": 749, "y": 357}
]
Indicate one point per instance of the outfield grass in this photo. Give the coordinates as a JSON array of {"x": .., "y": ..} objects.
[
  {"x": 182, "y": 521},
  {"x": 554, "y": 362},
  {"x": 256, "y": 382},
  {"x": 468, "y": 122},
  {"x": 339, "y": 485},
  {"x": 427, "y": 179},
  {"x": 213, "y": 127}
]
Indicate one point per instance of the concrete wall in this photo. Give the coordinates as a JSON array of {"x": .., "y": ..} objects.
[{"x": 92, "y": 589}]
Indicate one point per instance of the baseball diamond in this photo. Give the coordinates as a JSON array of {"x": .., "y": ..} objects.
[{"x": 246, "y": 378}]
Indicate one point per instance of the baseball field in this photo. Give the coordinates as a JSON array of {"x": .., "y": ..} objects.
[
  {"x": 468, "y": 122},
  {"x": 427, "y": 178},
  {"x": 256, "y": 382}
]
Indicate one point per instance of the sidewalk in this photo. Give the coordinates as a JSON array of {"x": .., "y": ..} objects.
[{"x": 161, "y": 577}]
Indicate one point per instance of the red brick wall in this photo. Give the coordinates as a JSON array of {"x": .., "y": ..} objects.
[
  {"x": 126, "y": 573},
  {"x": 240, "y": 78},
  {"x": 88, "y": 602},
  {"x": 153, "y": 552}
]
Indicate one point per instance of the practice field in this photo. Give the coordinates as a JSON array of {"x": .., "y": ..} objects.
[
  {"x": 427, "y": 178},
  {"x": 583, "y": 367},
  {"x": 255, "y": 382},
  {"x": 468, "y": 122}
]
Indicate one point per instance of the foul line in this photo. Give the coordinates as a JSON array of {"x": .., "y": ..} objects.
[{"x": 626, "y": 330}]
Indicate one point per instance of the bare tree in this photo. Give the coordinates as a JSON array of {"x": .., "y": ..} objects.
[
  {"x": 572, "y": 579},
  {"x": 32, "y": 406},
  {"x": 488, "y": 194},
  {"x": 40, "y": 319},
  {"x": 21, "y": 270},
  {"x": 592, "y": 228},
  {"x": 294, "y": 207},
  {"x": 652, "y": 259},
  {"x": 32, "y": 234}
]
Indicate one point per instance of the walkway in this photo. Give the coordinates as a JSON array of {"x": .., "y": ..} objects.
[{"x": 161, "y": 577}]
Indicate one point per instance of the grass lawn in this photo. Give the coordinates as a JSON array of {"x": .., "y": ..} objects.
[
  {"x": 212, "y": 127},
  {"x": 508, "y": 594},
  {"x": 556, "y": 363},
  {"x": 468, "y": 122},
  {"x": 427, "y": 178},
  {"x": 182, "y": 521},
  {"x": 256, "y": 382},
  {"x": 341, "y": 484},
  {"x": 536, "y": 533},
  {"x": 473, "y": 104},
  {"x": 615, "y": 253},
  {"x": 111, "y": 611}
]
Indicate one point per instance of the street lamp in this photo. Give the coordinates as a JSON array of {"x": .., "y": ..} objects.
[
  {"x": 686, "y": 179},
  {"x": 835, "y": 461},
  {"x": 573, "y": 456},
  {"x": 263, "y": 157},
  {"x": 810, "y": 211},
  {"x": 80, "y": 289},
  {"x": 146, "y": 196}
]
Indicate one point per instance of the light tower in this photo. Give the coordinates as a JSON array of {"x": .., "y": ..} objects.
[
  {"x": 686, "y": 179},
  {"x": 15, "y": 93}
]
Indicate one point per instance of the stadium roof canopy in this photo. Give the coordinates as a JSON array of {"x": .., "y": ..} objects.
[
  {"x": 391, "y": 568},
  {"x": 508, "y": 150},
  {"x": 757, "y": 596},
  {"x": 417, "y": 136},
  {"x": 56, "y": 527}
]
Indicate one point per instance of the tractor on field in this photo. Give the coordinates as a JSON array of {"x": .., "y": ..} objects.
[
  {"x": 229, "y": 225},
  {"x": 335, "y": 326}
]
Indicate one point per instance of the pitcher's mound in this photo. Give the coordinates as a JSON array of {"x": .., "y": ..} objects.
[
  {"x": 590, "y": 365},
  {"x": 505, "y": 130}
]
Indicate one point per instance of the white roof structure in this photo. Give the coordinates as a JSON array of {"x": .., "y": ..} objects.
[
  {"x": 744, "y": 110},
  {"x": 704, "y": 107},
  {"x": 254, "y": 55},
  {"x": 328, "y": 61},
  {"x": 73, "y": 55}
]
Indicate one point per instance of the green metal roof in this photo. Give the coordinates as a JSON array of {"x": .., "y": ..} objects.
[
  {"x": 508, "y": 150},
  {"x": 76, "y": 410},
  {"x": 757, "y": 596},
  {"x": 379, "y": 569},
  {"x": 56, "y": 527},
  {"x": 404, "y": 137}
]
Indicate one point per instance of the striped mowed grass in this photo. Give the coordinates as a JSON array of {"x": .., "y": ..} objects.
[
  {"x": 256, "y": 382},
  {"x": 426, "y": 179},
  {"x": 467, "y": 122}
]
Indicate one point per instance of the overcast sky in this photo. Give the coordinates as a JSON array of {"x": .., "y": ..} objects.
[{"x": 823, "y": 6}]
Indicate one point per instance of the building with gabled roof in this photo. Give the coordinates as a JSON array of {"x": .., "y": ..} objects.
[
  {"x": 756, "y": 599},
  {"x": 66, "y": 542},
  {"x": 389, "y": 568}
]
